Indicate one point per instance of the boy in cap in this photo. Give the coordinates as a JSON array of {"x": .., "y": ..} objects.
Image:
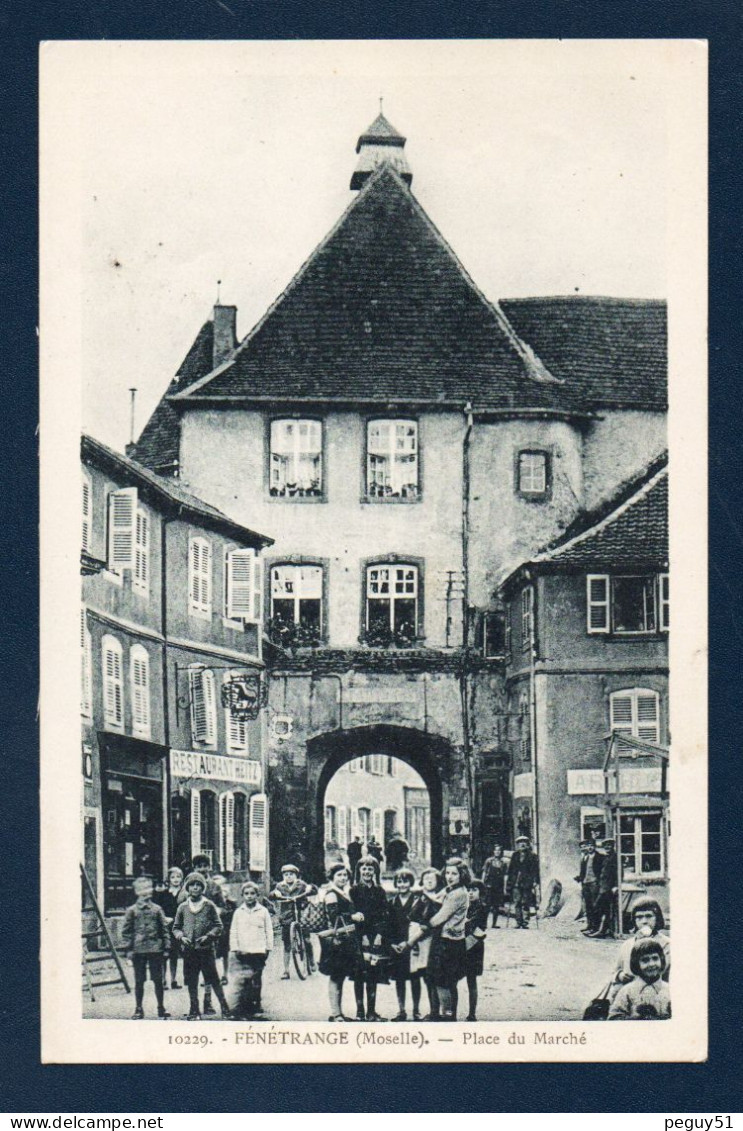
[
  {"x": 251, "y": 942},
  {"x": 292, "y": 892},
  {"x": 145, "y": 936},
  {"x": 197, "y": 926},
  {"x": 523, "y": 880}
]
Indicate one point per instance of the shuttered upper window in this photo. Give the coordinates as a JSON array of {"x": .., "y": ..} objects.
[
  {"x": 527, "y": 606},
  {"x": 86, "y": 705},
  {"x": 87, "y": 508},
  {"x": 235, "y": 729},
  {"x": 113, "y": 683},
  {"x": 122, "y": 514},
  {"x": 243, "y": 586},
  {"x": 636, "y": 712},
  {"x": 200, "y": 577},
  {"x": 203, "y": 706},
  {"x": 139, "y": 667},
  {"x": 141, "y": 574}
]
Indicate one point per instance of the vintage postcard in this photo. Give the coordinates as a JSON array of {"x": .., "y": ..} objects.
[{"x": 374, "y": 551}]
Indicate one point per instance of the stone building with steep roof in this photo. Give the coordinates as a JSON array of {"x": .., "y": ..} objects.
[{"x": 407, "y": 442}]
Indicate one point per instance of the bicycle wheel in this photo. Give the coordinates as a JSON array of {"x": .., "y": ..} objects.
[{"x": 299, "y": 951}]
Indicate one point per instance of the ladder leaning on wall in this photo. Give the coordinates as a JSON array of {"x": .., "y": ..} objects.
[{"x": 93, "y": 960}]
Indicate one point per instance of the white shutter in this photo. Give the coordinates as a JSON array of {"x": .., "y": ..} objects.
[
  {"x": 240, "y": 565},
  {"x": 210, "y": 701},
  {"x": 85, "y": 659},
  {"x": 235, "y": 729},
  {"x": 378, "y": 823},
  {"x": 113, "y": 691},
  {"x": 258, "y": 832},
  {"x": 140, "y": 685},
  {"x": 597, "y": 602},
  {"x": 342, "y": 826},
  {"x": 200, "y": 576},
  {"x": 141, "y": 578},
  {"x": 647, "y": 716},
  {"x": 195, "y": 822},
  {"x": 203, "y": 705},
  {"x": 621, "y": 712},
  {"x": 257, "y": 610},
  {"x": 227, "y": 831},
  {"x": 87, "y": 512},
  {"x": 122, "y": 510}
]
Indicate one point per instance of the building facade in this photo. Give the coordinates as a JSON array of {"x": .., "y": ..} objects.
[
  {"x": 407, "y": 443},
  {"x": 170, "y": 615}
]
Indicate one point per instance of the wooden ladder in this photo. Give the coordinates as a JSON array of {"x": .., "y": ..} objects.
[{"x": 107, "y": 953}]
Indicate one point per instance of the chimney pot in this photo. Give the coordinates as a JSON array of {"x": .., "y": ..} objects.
[{"x": 225, "y": 333}]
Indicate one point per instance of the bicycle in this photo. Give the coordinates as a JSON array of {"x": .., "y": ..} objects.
[{"x": 299, "y": 945}]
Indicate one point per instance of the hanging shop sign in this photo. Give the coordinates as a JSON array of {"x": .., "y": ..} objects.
[
  {"x": 243, "y": 696},
  {"x": 196, "y": 764}
]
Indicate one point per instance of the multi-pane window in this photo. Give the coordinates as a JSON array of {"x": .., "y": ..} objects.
[
  {"x": 296, "y": 458},
  {"x": 532, "y": 473},
  {"x": 236, "y": 729},
  {"x": 200, "y": 577},
  {"x": 641, "y": 845},
  {"x": 113, "y": 683},
  {"x": 87, "y": 508},
  {"x": 296, "y": 597},
  {"x": 635, "y": 712},
  {"x": 86, "y": 705},
  {"x": 203, "y": 706},
  {"x": 392, "y": 601},
  {"x": 392, "y": 459},
  {"x": 139, "y": 667},
  {"x": 527, "y": 606},
  {"x": 141, "y": 574},
  {"x": 627, "y": 605}
]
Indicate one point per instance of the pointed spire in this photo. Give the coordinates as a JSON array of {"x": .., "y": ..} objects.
[{"x": 380, "y": 143}]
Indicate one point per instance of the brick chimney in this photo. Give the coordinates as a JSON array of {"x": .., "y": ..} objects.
[{"x": 225, "y": 336}]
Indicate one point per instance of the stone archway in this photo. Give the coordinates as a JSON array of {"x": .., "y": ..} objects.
[{"x": 430, "y": 755}]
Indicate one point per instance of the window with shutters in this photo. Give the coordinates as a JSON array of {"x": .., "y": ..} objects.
[
  {"x": 296, "y": 470},
  {"x": 87, "y": 508},
  {"x": 243, "y": 586},
  {"x": 527, "y": 608},
  {"x": 331, "y": 826},
  {"x": 343, "y": 834},
  {"x": 392, "y": 605},
  {"x": 203, "y": 706},
  {"x": 636, "y": 712},
  {"x": 641, "y": 845},
  {"x": 524, "y": 727},
  {"x": 113, "y": 683},
  {"x": 236, "y": 729},
  {"x": 378, "y": 824},
  {"x": 258, "y": 839},
  {"x": 86, "y": 692},
  {"x": 296, "y": 604},
  {"x": 141, "y": 574},
  {"x": 532, "y": 474},
  {"x": 139, "y": 666},
  {"x": 122, "y": 513},
  {"x": 200, "y": 577},
  {"x": 364, "y": 823},
  {"x": 626, "y": 605},
  {"x": 227, "y": 832},
  {"x": 392, "y": 460},
  {"x": 240, "y": 831}
]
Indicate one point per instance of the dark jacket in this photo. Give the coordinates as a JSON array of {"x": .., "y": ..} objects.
[
  {"x": 354, "y": 851},
  {"x": 494, "y": 874},
  {"x": 598, "y": 863},
  {"x": 205, "y": 924},
  {"x": 145, "y": 929},
  {"x": 523, "y": 872},
  {"x": 608, "y": 877},
  {"x": 372, "y": 902},
  {"x": 401, "y": 915},
  {"x": 397, "y": 852},
  {"x": 168, "y": 900}
]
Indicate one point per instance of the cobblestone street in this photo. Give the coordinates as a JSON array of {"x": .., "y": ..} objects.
[{"x": 548, "y": 973}]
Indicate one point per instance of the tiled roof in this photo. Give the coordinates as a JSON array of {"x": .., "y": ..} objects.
[
  {"x": 167, "y": 493},
  {"x": 380, "y": 131},
  {"x": 612, "y": 351},
  {"x": 158, "y": 446},
  {"x": 383, "y": 311}
]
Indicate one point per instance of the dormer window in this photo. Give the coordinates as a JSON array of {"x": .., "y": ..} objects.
[{"x": 296, "y": 459}]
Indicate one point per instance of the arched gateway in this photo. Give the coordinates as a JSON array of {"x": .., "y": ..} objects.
[{"x": 431, "y": 756}]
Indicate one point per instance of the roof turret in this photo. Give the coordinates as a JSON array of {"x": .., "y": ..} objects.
[{"x": 378, "y": 144}]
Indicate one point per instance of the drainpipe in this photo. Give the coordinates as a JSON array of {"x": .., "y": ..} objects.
[
  {"x": 168, "y": 822},
  {"x": 533, "y": 712},
  {"x": 464, "y": 680}
]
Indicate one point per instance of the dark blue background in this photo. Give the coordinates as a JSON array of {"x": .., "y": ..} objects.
[{"x": 26, "y": 1086}]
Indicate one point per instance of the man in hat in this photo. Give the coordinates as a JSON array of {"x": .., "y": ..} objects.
[
  {"x": 354, "y": 851},
  {"x": 523, "y": 881},
  {"x": 588, "y": 877},
  {"x": 292, "y": 893},
  {"x": 607, "y": 887}
]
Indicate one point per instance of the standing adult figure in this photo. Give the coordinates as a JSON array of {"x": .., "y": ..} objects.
[
  {"x": 589, "y": 877},
  {"x": 354, "y": 851},
  {"x": 397, "y": 852},
  {"x": 494, "y": 879},
  {"x": 374, "y": 850},
  {"x": 373, "y": 930},
  {"x": 523, "y": 882},
  {"x": 339, "y": 950},
  {"x": 607, "y": 887}
]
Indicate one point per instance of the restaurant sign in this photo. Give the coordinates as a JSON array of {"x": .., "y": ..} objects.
[{"x": 198, "y": 764}]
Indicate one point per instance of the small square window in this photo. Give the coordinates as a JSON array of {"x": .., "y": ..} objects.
[{"x": 532, "y": 474}]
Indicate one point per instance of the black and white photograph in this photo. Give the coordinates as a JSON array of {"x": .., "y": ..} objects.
[{"x": 371, "y": 369}]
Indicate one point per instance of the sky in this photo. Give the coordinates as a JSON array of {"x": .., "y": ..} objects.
[{"x": 543, "y": 163}]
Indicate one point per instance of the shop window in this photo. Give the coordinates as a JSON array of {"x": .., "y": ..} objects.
[
  {"x": 635, "y": 712},
  {"x": 527, "y": 616},
  {"x": 122, "y": 516},
  {"x": 87, "y": 509},
  {"x": 113, "y": 683},
  {"x": 392, "y": 610},
  {"x": 243, "y": 586},
  {"x": 532, "y": 474},
  {"x": 139, "y": 666},
  {"x": 203, "y": 706},
  {"x": 626, "y": 605},
  {"x": 200, "y": 577},
  {"x": 86, "y": 695},
  {"x": 392, "y": 459},
  {"x": 296, "y": 459},
  {"x": 141, "y": 574},
  {"x": 296, "y": 604},
  {"x": 641, "y": 845}
]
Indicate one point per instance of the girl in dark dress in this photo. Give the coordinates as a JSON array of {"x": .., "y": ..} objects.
[
  {"x": 474, "y": 940},
  {"x": 402, "y": 910},
  {"x": 339, "y": 948},
  {"x": 446, "y": 960},
  {"x": 373, "y": 930},
  {"x": 168, "y": 897},
  {"x": 428, "y": 903}
]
